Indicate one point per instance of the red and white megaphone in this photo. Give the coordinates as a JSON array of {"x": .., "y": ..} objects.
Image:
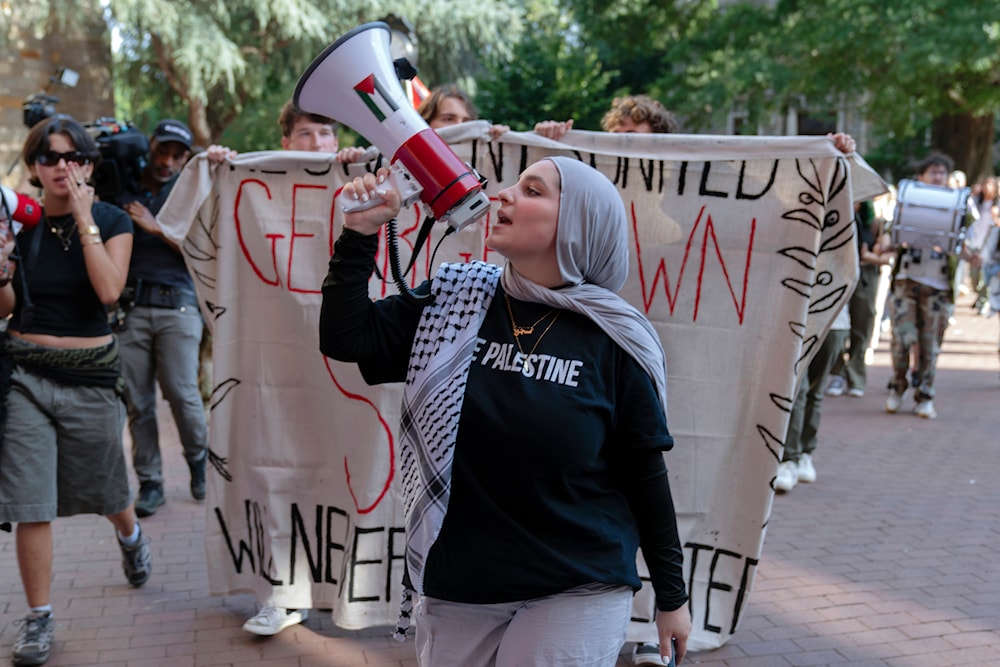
[
  {"x": 21, "y": 209},
  {"x": 354, "y": 82}
]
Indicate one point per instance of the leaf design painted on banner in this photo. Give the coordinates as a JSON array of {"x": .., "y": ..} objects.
[
  {"x": 805, "y": 257},
  {"x": 221, "y": 391},
  {"x": 828, "y": 300},
  {"x": 220, "y": 464},
  {"x": 814, "y": 181},
  {"x": 806, "y": 352},
  {"x": 783, "y": 403},
  {"x": 773, "y": 443},
  {"x": 803, "y": 215},
  {"x": 840, "y": 238}
]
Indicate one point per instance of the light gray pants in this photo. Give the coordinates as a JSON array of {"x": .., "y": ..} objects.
[
  {"x": 161, "y": 344},
  {"x": 582, "y": 626}
]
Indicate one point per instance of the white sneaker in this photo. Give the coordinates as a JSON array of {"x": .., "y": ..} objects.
[
  {"x": 926, "y": 410},
  {"x": 272, "y": 620},
  {"x": 788, "y": 476},
  {"x": 837, "y": 386},
  {"x": 894, "y": 401},
  {"x": 855, "y": 392},
  {"x": 647, "y": 654},
  {"x": 806, "y": 470}
]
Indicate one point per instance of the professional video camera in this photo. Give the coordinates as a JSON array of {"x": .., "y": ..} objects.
[
  {"x": 124, "y": 154},
  {"x": 39, "y": 106}
]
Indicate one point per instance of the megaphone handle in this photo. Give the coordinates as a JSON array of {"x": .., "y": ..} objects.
[{"x": 399, "y": 180}]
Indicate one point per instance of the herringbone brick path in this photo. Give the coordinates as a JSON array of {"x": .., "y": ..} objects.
[{"x": 889, "y": 560}]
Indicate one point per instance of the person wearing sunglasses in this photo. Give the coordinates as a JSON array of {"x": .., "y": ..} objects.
[{"x": 61, "y": 450}]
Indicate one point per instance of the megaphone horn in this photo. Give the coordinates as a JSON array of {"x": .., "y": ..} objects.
[
  {"x": 354, "y": 82},
  {"x": 22, "y": 209}
]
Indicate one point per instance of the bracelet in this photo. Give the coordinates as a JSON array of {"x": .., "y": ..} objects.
[{"x": 91, "y": 239}]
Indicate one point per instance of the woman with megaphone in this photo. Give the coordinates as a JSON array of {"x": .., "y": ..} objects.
[
  {"x": 533, "y": 427},
  {"x": 61, "y": 453}
]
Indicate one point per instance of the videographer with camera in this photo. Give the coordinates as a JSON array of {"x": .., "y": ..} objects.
[
  {"x": 163, "y": 325},
  {"x": 61, "y": 452}
]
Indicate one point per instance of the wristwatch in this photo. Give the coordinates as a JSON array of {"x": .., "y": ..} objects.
[{"x": 91, "y": 230}]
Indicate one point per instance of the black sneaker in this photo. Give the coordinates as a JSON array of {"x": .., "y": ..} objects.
[
  {"x": 34, "y": 639},
  {"x": 136, "y": 560},
  {"x": 150, "y": 497},
  {"x": 198, "y": 478}
]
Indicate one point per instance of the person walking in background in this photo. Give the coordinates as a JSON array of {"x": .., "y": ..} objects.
[
  {"x": 987, "y": 208},
  {"x": 507, "y": 561},
  {"x": 803, "y": 423},
  {"x": 923, "y": 297},
  {"x": 61, "y": 453},
  {"x": 850, "y": 371},
  {"x": 163, "y": 326}
]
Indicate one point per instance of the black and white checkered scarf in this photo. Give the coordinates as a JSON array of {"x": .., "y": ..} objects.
[{"x": 432, "y": 403}]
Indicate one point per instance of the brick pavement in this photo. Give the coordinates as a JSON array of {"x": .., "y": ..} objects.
[{"x": 888, "y": 560}]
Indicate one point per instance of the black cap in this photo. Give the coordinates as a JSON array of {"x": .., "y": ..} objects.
[{"x": 173, "y": 130}]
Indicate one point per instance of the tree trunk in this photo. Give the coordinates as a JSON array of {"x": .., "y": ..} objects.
[
  {"x": 968, "y": 140},
  {"x": 198, "y": 121}
]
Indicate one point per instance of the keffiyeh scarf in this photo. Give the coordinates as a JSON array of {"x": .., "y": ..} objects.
[{"x": 432, "y": 403}]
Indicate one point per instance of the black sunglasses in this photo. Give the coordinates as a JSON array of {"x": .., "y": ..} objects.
[{"x": 51, "y": 158}]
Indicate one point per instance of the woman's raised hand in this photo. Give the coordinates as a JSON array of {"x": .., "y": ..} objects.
[{"x": 363, "y": 189}]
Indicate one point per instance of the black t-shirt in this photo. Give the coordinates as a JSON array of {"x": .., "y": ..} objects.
[
  {"x": 537, "y": 505},
  {"x": 63, "y": 299},
  {"x": 153, "y": 259},
  {"x": 587, "y": 474}
]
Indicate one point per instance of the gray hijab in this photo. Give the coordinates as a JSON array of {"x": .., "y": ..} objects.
[{"x": 592, "y": 249}]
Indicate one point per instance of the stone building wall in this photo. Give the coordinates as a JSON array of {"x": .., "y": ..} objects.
[{"x": 27, "y": 62}]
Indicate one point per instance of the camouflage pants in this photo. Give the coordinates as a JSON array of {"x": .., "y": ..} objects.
[{"x": 919, "y": 317}]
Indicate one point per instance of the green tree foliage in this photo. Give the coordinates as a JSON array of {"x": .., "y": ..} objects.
[
  {"x": 219, "y": 64},
  {"x": 553, "y": 75},
  {"x": 642, "y": 40},
  {"x": 914, "y": 68}
]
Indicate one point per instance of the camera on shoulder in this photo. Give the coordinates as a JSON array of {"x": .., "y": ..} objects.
[{"x": 124, "y": 155}]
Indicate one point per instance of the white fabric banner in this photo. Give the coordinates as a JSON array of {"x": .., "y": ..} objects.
[{"x": 742, "y": 252}]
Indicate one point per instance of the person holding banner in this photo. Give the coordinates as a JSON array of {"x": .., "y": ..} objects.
[
  {"x": 315, "y": 134},
  {"x": 921, "y": 303},
  {"x": 632, "y": 113},
  {"x": 533, "y": 428},
  {"x": 449, "y": 105},
  {"x": 61, "y": 452}
]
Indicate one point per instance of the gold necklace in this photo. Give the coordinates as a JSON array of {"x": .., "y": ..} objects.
[
  {"x": 527, "y": 331},
  {"x": 64, "y": 234}
]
